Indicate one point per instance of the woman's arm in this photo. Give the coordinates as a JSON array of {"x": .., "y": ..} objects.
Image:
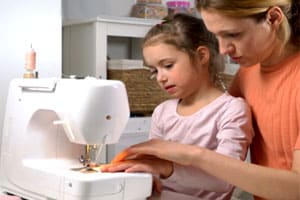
[{"x": 261, "y": 181}]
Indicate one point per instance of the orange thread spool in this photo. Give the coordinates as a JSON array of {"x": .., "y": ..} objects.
[{"x": 30, "y": 59}]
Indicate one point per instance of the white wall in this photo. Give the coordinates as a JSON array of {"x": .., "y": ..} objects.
[{"x": 24, "y": 22}]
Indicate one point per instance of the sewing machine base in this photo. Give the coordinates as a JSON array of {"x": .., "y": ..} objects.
[{"x": 58, "y": 184}]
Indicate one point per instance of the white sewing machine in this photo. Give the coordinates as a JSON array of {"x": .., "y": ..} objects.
[{"x": 52, "y": 136}]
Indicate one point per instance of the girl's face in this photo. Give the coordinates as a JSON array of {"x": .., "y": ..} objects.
[
  {"x": 173, "y": 69},
  {"x": 246, "y": 41}
]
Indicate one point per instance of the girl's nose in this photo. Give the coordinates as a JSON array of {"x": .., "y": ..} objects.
[{"x": 160, "y": 77}]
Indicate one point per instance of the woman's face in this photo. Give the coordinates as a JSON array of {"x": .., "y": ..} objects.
[{"x": 246, "y": 41}]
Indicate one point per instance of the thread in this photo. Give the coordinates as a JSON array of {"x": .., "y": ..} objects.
[{"x": 30, "y": 64}]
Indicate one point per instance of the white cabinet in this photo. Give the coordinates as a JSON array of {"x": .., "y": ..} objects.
[{"x": 85, "y": 42}]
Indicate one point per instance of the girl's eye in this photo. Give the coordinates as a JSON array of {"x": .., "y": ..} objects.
[{"x": 168, "y": 66}]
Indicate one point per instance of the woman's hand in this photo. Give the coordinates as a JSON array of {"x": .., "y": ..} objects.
[
  {"x": 172, "y": 151},
  {"x": 150, "y": 164},
  {"x": 157, "y": 167}
]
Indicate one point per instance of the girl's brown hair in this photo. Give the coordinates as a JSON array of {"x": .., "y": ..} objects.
[{"x": 187, "y": 33}]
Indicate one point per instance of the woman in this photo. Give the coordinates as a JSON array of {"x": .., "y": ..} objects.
[{"x": 264, "y": 38}]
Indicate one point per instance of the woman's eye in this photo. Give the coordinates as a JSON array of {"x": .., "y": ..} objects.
[{"x": 233, "y": 35}]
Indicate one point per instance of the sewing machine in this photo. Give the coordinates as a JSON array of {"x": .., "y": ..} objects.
[{"x": 53, "y": 133}]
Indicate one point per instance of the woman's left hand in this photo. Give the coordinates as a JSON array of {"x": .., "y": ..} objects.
[
  {"x": 150, "y": 164},
  {"x": 159, "y": 168}
]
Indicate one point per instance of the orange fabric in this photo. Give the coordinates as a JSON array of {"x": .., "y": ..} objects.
[{"x": 274, "y": 98}]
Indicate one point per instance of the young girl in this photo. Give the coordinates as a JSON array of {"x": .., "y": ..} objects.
[
  {"x": 183, "y": 57},
  {"x": 264, "y": 38}
]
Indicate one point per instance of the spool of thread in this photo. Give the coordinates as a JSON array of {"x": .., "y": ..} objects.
[{"x": 30, "y": 59}]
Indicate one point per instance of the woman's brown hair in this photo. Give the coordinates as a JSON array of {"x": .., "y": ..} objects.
[{"x": 290, "y": 30}]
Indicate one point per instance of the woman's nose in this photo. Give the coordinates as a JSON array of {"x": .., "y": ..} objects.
[{"x": 225, "y": 47}]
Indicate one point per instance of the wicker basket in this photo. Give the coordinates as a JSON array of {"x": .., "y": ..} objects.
[{"x": 144, "y": 94}]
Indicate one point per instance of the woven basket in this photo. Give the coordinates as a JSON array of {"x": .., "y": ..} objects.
[{"x": 144, "y": 94}]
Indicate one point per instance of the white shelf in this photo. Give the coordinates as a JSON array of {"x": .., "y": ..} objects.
[
  {"x": 114, "y": 20},
  {"x": 85, "y": 41}
]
